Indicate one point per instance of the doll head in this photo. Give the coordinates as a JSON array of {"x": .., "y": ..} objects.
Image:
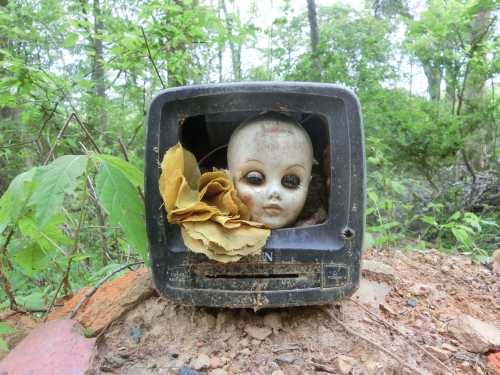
[{"x": 270, "y": 158}]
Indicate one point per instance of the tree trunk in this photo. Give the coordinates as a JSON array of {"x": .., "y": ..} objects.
[
  {"x": 235, "y": 48},
  {"x": 313, "y": 24},
  {"x": 98, "y": 70},
  {"x": 434, "y": 77}
]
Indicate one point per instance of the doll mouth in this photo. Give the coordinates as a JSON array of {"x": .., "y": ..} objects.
[{"x": 273, "y": 209}]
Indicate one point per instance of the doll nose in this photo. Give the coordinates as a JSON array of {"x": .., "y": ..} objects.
[{"x": 274, "y": 194}]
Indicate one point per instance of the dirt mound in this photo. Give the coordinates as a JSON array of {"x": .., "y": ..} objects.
[{"x": 420, "y": 294}]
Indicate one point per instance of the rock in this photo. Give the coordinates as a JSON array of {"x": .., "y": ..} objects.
[
  {"x": 112, "y": 361},
  {"x": 273, "y": 321},
  {"x": 371, "y": 292},
  {"x": 53, "y": 348},
  {"x": 445, "y": 269},
  {"x": 286, "y": 358},
  {"x": 372, "y": 367},
  {"x": 244, "y": 342},
  {"x": 387, "y": 309},
  {"x": 259, "y": 333},
  {"x": 475, "y": 335},
  {"x": 344, "y": 364},
  {"x": 188, "y": 371},
  {"x": 494, "y": 361},
  {"x": 110, "y": 301},
  {"x": 245, "y": 352},
  {"x": 420, "y": 290},
  {"x": 219, "y": 371},
  {"x": 277, "y": 372},
  {"x": 412, "y": 302},
  {"x": 216, "y": 362},
  {"x": 255, "y": 342},
  {"x": 495, "y": 261},
  {"x": 201, "y": 362},
  {"x": 378, "y": 271},
  {"x": 136, "y": 334}
]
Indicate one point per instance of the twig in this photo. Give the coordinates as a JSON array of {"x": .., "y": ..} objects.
[
  {"x": 64, "y": 279},
  {"x": 373, "y": 343},
  {"x": 58, "y": 137},
  {"x": 74, "y": 116},
  {"x": 134, "y": 134},
  {"x": 5, "y": 246},
  {"x": 123, "y": 149},
  {"x": 87, "y": 133},
  {"x": 87, "y": 296},
  {"x": 319, "y": 366},
  {"x": 7, "y": 288},
  {"x": 100, "y": 217},
  {"x": 395, "y": 329},
  {"x": 151, "y": 58}
]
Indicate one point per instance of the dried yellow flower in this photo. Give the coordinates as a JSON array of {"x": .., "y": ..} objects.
[{"x": 213, "y": 220}]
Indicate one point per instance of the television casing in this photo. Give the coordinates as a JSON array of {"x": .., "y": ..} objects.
[{"x": 310, "y": 265}]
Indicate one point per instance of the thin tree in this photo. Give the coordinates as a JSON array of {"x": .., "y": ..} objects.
[{"x": 313, "y": 24}]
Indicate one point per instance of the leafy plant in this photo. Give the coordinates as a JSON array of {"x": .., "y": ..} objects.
[
  {"x": 35, "y": 213},
  {"x": 459, "y": 232}
]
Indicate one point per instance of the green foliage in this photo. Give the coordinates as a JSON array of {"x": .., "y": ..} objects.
[
  {"x": 5, "y": 330},
  {"x": 55, "y": 181},
  {"x": 36, "y": 208},
  {"x": 460, "y": 231},
  {"x": 414, "y": 134},
  {"x": 119, "y": 197}
]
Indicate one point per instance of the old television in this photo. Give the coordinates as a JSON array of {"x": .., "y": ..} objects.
[{"x": 310, "y": 264}]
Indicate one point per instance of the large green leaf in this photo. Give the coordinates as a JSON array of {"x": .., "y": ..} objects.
[
  {"x": 54, "y": 181},
  {"x": 14, "y": 200},
  {"x": 134, "y": 175},
  {"x": 120, "y": 199},
  {"x": 47, "y": 237},
  {"x": 31, "y": 259}
]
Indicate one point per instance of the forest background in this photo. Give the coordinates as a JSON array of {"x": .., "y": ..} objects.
[{"x": 76, "y": 78}]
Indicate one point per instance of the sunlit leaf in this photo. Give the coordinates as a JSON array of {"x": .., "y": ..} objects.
[
  {"x": 54, "y": 181},
  {"x": 123, "y": 204},
  {"x": 133, "y": 174},
  {"x": 14, "y": 200}
]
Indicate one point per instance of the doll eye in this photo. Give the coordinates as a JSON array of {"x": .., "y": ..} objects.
[
  {"x": 254, "y": 178},
  {"x": 290, "y": 181}
]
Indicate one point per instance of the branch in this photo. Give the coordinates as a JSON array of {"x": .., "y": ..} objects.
[
  {"x": 410, "y": 340},
  {"x": 151, "y": 57},
  {"x": 64, "y": 279},
  {"x": 373, "y": 343}
]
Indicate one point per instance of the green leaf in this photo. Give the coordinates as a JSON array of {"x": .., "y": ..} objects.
[
  {"x": 70, "y": 40},
  {"x": 49, "y": 236},
  {"x": 5, "y": 329},
  {"x": 35, "y": 300},
  {"x": 14, "y": 200},
  {"x": 133, "y": 174},
  {"x": 461, "y": 236},
  {"x": 31, "y": 259},
  {"x": 121, "y": 201},
  {"x": 54, "y": 181},
  {"x": 430, "y": 220}
]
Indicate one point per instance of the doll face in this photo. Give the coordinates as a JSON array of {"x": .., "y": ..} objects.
[{"x": 271, "y": 162}]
